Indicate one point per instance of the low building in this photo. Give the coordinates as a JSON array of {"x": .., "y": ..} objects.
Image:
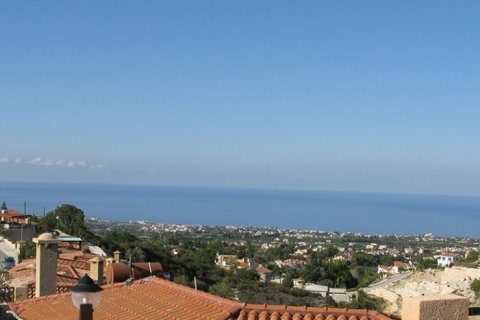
[
  {"x": 339, "y": 295},
  {"x": 243, "y": 263},
  {"x": 154, "y": 298},
  {"x": 264, "y": 273},
  {"x": 12, "y": 216},
  {"x": 447, "y": 259},
  {"x": 226, "y": 261},
  {"x": 388, "y": 270},
  {"x": 298, "y": 283}
]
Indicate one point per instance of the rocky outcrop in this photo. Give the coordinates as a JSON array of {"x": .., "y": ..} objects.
[{"x": 455, "y": 280}]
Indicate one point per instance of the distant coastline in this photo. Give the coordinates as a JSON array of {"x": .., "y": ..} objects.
[
  {"x": 133, "y": 226},
  {"x": 369, "y": 213}
]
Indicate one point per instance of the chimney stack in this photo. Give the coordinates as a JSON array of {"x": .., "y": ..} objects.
[
  {"x": 96, "y": 270},
  {"x": 46, "y": 264},
  {"x": 444, "y": 307},
  {"x": 108, "y": 262},
  {"x": 116, "y": 256}
]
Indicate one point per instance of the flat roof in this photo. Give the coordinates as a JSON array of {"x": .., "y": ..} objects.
[{"x": 69, "y": 239}]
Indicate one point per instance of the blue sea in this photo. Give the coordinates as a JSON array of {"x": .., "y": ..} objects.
[{"x": 375, "y": 213}]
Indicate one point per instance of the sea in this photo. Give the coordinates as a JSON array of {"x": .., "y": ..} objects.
[{"x": 372, "y": 213}]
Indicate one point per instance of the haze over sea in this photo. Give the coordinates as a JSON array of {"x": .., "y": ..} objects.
[{"x": 329, "y": 211}]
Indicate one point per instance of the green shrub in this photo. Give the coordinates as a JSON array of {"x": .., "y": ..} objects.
[{"x": 475, "y": 286}]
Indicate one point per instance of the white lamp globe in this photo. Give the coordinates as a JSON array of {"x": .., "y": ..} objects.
[{"x": 86, "y": 292}]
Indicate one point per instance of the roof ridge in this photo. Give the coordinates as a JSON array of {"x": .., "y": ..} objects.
[
  {"x": 191, "y": 291},
  {"x": 55, "y": 295},
  {"x": 307, "y": 309}
]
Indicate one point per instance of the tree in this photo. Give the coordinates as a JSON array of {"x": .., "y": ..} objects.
[
  {"x": 136, "y": 254},
  {"x": 366, "y": 302},
  {"x": 4, "y": 206},
  {"x": 472, "y": 256},
  {"x": 67, "y": 218},
  {"x": 475, "y": 286},
  {"x": 287, "y": 281},
  {"x": 222, "y": 289},
  {"x": 27, "y": 251}
]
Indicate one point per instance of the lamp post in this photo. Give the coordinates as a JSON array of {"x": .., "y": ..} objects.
[{"x": 86, "y": 297}]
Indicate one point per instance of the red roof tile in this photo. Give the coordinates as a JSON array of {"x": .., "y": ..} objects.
[
  {"x": 272, "y": 312},
  {"x": 70, "y": 268},
  {"x": 154, "y": 298},
  {"x": 262, "y": 269},
  {"x": 151, "y": 298},
  {"x": 13, "y": 213}
]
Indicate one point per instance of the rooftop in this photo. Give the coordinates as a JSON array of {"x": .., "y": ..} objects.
[
  {"x": 70, "y": 268},
  {"x": 272, "y": 312},
  {"x": 154, "y": 298},
  {"x": 151, "y": 298}
]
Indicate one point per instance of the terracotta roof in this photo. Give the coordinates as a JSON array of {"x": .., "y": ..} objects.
[
  {"x": 70, "y": 268},
  {"x": 449, "y": 254},
  {"x": 154, "y": 298},
  {"x": 271, "y": 312},
  {"x": 150, "y": 298},
  {"x": 262, "y": 269},
  {"x": 13, "y": 213}
]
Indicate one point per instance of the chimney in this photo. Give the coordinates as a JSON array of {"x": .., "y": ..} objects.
[
  {"x": 444, "y": 307},
  {"x": 46, "y": 264},
  {"x": 116, "y": 256},
  {"x": 108, "y": 262},
  {"x": 96, "y": 270}
]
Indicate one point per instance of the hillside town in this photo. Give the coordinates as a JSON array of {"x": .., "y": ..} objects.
[{"x": 247, "y": 264}]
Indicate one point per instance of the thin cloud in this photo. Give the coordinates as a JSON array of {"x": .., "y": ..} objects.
[
  {"x": 47, "y": 162},
  {"x": 40, "y": 162}
]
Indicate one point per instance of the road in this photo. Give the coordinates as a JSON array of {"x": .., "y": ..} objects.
[{"x": 386, "y": 282}]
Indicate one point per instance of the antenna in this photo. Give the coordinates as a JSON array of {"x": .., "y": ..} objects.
[
  {"x": 130, "y": 265},
  {"x": 195, "y": 282}
]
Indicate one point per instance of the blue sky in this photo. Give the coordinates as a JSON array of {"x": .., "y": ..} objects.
[{"x": 326, "y": 95}]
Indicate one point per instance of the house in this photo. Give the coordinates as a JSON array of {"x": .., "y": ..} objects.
[
  {"x": 156, "y": 298},
  {"x": 404, "y": 265},
  {"x": 388, "y": 270},
  {"x": 291, "y": 263},
  {"x": 384, "y": 270},
  {"x": 243, "y": 263},
  {"x": 298, "y": 283},
  {"x": 16, "y": 225},
  {"x": 32, "y": 276},
  {"x": 396, "y": 268},
  {"x": 264, "y": 273},
  {"x": 12, "y": 216},
  {"x": 339, "y": 295},
  {"x": 226, "y": 261},
  {"x": 447, "y": 259},
  {"x": 70, "y": 268}
]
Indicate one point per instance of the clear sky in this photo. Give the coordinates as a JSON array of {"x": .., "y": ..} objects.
[{"x": 326, "y": 95}]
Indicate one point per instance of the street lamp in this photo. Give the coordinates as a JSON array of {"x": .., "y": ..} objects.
[{"x": 86, "y": 297}]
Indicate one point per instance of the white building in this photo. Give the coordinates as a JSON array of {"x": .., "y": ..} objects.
[{"x": 447, "y": 259}]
